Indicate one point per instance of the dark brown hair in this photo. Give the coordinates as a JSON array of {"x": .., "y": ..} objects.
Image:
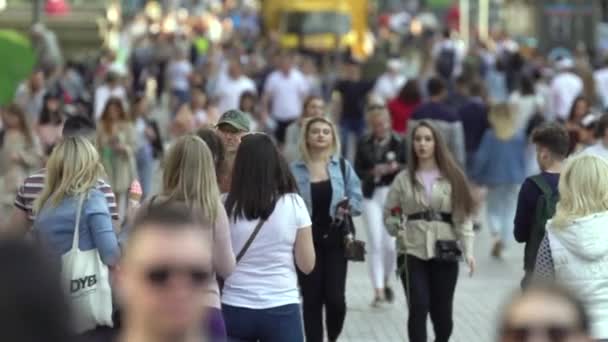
[
  {"x": 410, "y": 92},
  {"x": 554, "y": 137},
  {"x": 105, "y": 119},
  {"x": 308, "y": 100},
  {"x": 24, "y": 125},
  {"x": 462, "y": 198}
]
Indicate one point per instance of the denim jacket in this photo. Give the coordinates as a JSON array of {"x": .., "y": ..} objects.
[
  {"x": 55, "y": 226},
  {"x": 352, "y": 190}
]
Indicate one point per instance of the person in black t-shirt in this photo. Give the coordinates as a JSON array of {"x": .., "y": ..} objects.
[{"x": 351, "y": 94}]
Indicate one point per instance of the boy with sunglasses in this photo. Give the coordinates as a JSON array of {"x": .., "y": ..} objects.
[{"x": 163, "y": 276}]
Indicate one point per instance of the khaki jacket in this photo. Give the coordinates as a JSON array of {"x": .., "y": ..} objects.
[{"x": 418, "y": 237}]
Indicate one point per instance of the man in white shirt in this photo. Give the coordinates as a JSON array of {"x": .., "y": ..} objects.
[
  {"x": 231, "y": 85},
  {"x": 600, "y": 148},
  {"x": 601, "y": 84},
  {"x": 111, "y": 88},
  {"x": 389, "y": 83},
  {"x": 284, "y": 94},
  {"x": 178, "y": 76},
  {"x": 565, "y": 87},
  {"x": 30, "y": 95}
]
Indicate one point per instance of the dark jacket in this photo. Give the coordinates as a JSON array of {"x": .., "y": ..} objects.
[
  {"x": 369, "y": 154},
  {"x": 446, "y": 121},
  {"x": 474, "y": 117}
]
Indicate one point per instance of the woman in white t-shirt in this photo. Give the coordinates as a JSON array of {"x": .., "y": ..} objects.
[{"x": 261, "y": 301}]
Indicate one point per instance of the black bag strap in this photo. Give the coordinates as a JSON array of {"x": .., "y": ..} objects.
[
  {"x": 350, "y": 225},
  {"x": 343, "y": 170},
  {"x": 250, "y": 240}
]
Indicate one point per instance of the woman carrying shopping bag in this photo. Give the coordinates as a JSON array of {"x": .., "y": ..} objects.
[
  {"x": 74, "y": 222},
  {"x": 429, "y": 209}
]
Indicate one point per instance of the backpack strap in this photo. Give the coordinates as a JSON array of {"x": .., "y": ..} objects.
[{"x": 542, "y": 184}]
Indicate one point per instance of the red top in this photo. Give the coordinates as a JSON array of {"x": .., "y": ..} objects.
[{"x": 400, "y": 114}]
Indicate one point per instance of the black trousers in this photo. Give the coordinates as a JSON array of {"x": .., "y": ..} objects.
[
  {"x": 431, "y": 285},
  {"x": 281, "y": 130},
  {"x": 325, "y": 287}
]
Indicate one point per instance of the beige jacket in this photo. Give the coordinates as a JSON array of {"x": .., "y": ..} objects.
[{"x": 418, "y": 237}]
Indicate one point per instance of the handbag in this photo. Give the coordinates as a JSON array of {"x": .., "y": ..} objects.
[
  {"x": 354, "y": 250},
  {"x": 87, "y": 283},
  {"x": 448, "y": 251}
]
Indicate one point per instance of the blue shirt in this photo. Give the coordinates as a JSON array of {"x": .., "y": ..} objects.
[
  {"x": 55, "y": 226},
  {"x": 352, "y": 190}
]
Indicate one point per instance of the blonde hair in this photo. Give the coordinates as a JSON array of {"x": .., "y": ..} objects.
[
  {"x": 73, "y": 168},
  {"x": 303, "y": 144},
  {"x": 502, "y": 119},
  {"x": 583, "y": 189},
  {"x": 189, "y": 176}
]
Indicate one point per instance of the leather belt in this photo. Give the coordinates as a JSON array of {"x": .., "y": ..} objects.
[{"x": 430, "y": 216}]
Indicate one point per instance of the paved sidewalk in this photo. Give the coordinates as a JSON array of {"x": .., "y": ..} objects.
[{"x": 476, "y": 308}]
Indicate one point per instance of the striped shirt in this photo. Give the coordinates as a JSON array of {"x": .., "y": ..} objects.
[{"x": 33, "y": 185}]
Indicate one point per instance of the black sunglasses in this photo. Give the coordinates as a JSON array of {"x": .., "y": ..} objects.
[
  {"x": 553, "y": 332},
  {"x": 161, "y": 275}
]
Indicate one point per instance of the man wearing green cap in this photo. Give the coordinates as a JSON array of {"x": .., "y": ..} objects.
[{"x": 231, "y": 127}]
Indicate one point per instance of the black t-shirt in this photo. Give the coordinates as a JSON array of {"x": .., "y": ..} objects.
[{"x": 354, "y": 95}]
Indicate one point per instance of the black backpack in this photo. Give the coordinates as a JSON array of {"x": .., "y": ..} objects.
[{"x": 446, "y": 61}]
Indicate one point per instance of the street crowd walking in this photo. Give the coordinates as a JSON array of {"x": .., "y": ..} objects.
[{"x": 265, "y": 156}]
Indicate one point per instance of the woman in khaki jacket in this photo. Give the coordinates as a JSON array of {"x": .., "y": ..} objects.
[{"x": 428, "y": 209}]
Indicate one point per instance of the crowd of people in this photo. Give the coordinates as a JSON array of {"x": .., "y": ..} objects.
[{"x": 265, "y": 161}]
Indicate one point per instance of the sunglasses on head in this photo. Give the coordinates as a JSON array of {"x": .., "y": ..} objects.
[
  {"x": 551, "y": 332},
  {"x": 161, "y": 275}
]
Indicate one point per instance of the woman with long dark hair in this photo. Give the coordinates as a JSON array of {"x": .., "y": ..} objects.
[
  {"x": 116, "y": 140},
  {"x": 50, "y": 122},
  {"x": 271, "y": 235},
  {"x": 429, "y": 209},
  {"x": 330, "y": 188}
]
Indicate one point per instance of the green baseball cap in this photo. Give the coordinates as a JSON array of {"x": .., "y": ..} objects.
[{"x": 236, "y": 119}]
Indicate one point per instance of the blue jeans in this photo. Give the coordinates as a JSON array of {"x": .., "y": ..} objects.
[
  {"x": 350, "y": 126},
  {"x": 501, "y": 207},
  {"x": 279, "y": 324},
  {"x": 145, "y": 168}
]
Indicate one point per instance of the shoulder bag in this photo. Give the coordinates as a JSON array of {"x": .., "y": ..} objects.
[
  {"x": 87, "y": 283},
  {"x": 354, "y": 250}
]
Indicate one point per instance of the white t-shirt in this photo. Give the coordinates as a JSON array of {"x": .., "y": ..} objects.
[
  {"x": 601, "y": 85},
  {"x": 597, "y": 149},
  {"x": 266, "y": 275},
  {"x": 565, "y": 88},
  {"x": 229, "y": 91},
  {"x": 525, "y": 107},
  {"x": 287, "y": 93},
  {"x": 178, "y": 74},
  {"x": 104, "y": 93},
  {"x": 388, "y": 86}
]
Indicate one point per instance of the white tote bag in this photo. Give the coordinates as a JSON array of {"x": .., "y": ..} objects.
[{"x": 87, "y": 282}]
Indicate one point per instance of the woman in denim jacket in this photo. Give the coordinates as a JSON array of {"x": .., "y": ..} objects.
[
  {"x": 325, "y": 189},
  {"x": 73, "y": 170}
]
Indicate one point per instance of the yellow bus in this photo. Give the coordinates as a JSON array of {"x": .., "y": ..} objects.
[{"x": 320, "y": 25}]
